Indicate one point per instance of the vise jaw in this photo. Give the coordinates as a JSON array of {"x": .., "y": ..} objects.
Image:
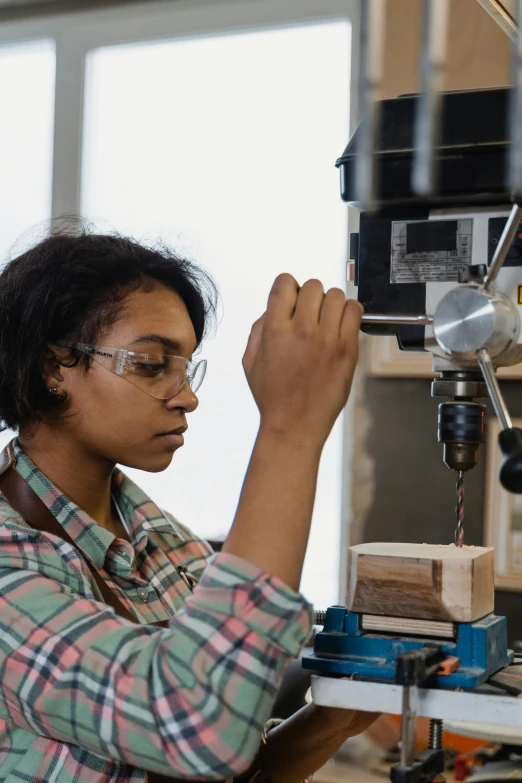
[{"x": 345, "y": 648}]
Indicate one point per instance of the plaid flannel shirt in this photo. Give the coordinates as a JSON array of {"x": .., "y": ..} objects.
[{"x": 88, "y": 697}]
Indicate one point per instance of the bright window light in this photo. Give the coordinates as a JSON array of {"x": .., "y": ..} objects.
[
  {"x": 27, "y": 74},
  {"x": 225, "y": 146}
]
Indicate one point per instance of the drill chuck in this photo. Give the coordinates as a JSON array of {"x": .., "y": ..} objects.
[{"x": 462, "y": 428}]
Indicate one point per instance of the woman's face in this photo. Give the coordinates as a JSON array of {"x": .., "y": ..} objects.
[{"x": 116, "y": 420}]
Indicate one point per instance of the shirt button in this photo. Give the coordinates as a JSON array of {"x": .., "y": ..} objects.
[{"x": 143, "y": 593}]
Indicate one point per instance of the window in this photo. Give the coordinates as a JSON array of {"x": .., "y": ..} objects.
[
  {"x": 225, "y": 146},
  {"x": 213, "y": 125},
  {"x": 27, "y": 76},
  {"x": 26, "y": 131}
]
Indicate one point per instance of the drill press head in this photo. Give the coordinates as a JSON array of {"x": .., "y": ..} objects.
[{"x": 440, "y": 255}]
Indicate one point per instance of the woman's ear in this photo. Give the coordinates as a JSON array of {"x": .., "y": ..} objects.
[{"x": 52, "y": 369}]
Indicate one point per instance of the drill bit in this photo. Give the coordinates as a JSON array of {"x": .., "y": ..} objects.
[{"x": 459, "y": 510}]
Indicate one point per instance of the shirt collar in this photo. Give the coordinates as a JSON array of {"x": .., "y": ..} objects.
[
  {"x": 137, "y": 507},
  {"x": 139, "y": 511}
]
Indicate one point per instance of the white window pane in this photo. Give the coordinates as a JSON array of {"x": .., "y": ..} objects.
[
  {"x": 27, "y": 74},
  {"x": 225, "y": 146}
]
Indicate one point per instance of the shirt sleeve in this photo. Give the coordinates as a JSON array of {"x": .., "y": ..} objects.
[{"x": 189, "y": 700}]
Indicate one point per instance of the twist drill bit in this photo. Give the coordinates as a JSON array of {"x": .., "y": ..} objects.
[{"x": 459, "y": 532}]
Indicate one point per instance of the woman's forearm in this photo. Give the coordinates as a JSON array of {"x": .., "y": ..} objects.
[
  {"x": 301, "y": 745},
  {"x": 273, "y": 518},
  {"x": 299, "y": 363}
]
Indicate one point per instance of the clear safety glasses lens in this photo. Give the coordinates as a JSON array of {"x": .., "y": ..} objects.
[
  {"x": 164, "y": 378},
  {"x": 159, "y": 376}
]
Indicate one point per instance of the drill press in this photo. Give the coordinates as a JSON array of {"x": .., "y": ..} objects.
[
  {"x": 443, "y": 274},
  {"x": 437, "y": 262}
]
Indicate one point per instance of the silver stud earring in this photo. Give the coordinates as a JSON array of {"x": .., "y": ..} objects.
[{"x": 53, "y": 391}]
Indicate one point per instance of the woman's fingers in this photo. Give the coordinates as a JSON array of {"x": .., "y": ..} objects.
[
  {"x": 332, "y": 312},
  {"x": 254, "y": 342},
  {"x": 351, "y": 322},
  {"x": 309, "y": 304},
  {"x": 282, "y": 299},
  {"x": 301, "y": 357}
]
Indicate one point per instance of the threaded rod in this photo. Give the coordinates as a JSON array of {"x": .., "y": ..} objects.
[{"x": 436, "y": 728}]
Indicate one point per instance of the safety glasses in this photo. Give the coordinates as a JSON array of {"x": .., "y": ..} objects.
[{"x": 156, "y": 374}]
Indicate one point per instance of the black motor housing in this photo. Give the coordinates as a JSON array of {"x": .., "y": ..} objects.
[{"x": 472, "y": 156}]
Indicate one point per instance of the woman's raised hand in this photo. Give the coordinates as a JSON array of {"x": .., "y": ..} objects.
[{"x": 301, "y": 356}]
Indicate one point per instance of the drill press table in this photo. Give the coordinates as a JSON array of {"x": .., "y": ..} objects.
[{"x": 497, "y": 702}]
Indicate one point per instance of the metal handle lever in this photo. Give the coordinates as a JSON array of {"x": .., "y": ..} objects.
[
  {"x": 398, "y": 319},
  {"x": 488, "y": 371},
  {"x": 504, "y": 244},
  {"x": 510, "y": 438},
  {"x": 502, "y": 17}
]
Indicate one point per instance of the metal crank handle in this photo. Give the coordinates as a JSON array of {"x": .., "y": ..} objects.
[
  {"x": 397, "y": 319},
  {"x": 510, "y": 438},
  {"x": 503, "y": 246}
]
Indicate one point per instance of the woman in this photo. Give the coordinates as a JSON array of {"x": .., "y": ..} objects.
[{"x": 97, "y": 338}]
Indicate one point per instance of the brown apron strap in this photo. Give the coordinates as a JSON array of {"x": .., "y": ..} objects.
[
  {"x": 34, "y": 511},
  {"x": 24, "y": 500}
]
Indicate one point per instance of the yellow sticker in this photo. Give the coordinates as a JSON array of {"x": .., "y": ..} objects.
[{"x": 519, "y": 296}]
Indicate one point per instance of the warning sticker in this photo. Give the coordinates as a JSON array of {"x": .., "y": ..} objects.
[{"x": 424, "y": 251}]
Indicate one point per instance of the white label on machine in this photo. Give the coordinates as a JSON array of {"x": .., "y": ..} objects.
[{"x": 424, "y": 251}]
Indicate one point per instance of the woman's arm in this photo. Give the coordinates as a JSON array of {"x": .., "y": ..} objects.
[
  {"x": 273, "y": 519},
  {"x": 190, "y": 700},
  {"x": 299, "y": 363},
  {"x": 304, "y": 742}
]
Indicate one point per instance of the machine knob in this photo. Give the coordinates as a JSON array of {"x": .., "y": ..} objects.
[
  {"x": 469, "y": 318},
  {"x": 510, "y": 475},
  {"x": 510, "y": 438}
]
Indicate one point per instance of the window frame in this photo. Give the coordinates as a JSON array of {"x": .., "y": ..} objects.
[{"x": 77, "y": 34}]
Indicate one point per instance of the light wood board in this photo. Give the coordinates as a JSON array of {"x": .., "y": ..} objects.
[
  {"x": 425, "y": 581},
  {"x": 408, "y": 626}
]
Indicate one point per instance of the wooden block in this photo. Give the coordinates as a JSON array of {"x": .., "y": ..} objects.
[{"x": 425, "y": 581}]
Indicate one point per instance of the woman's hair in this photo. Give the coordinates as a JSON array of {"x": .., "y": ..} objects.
[{"x": 71, "y": 286}]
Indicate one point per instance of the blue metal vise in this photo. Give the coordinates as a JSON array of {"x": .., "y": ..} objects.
[{"x": 344, "y": 648}]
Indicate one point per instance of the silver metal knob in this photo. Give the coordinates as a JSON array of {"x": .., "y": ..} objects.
[{"x": 469, "y": 318}]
